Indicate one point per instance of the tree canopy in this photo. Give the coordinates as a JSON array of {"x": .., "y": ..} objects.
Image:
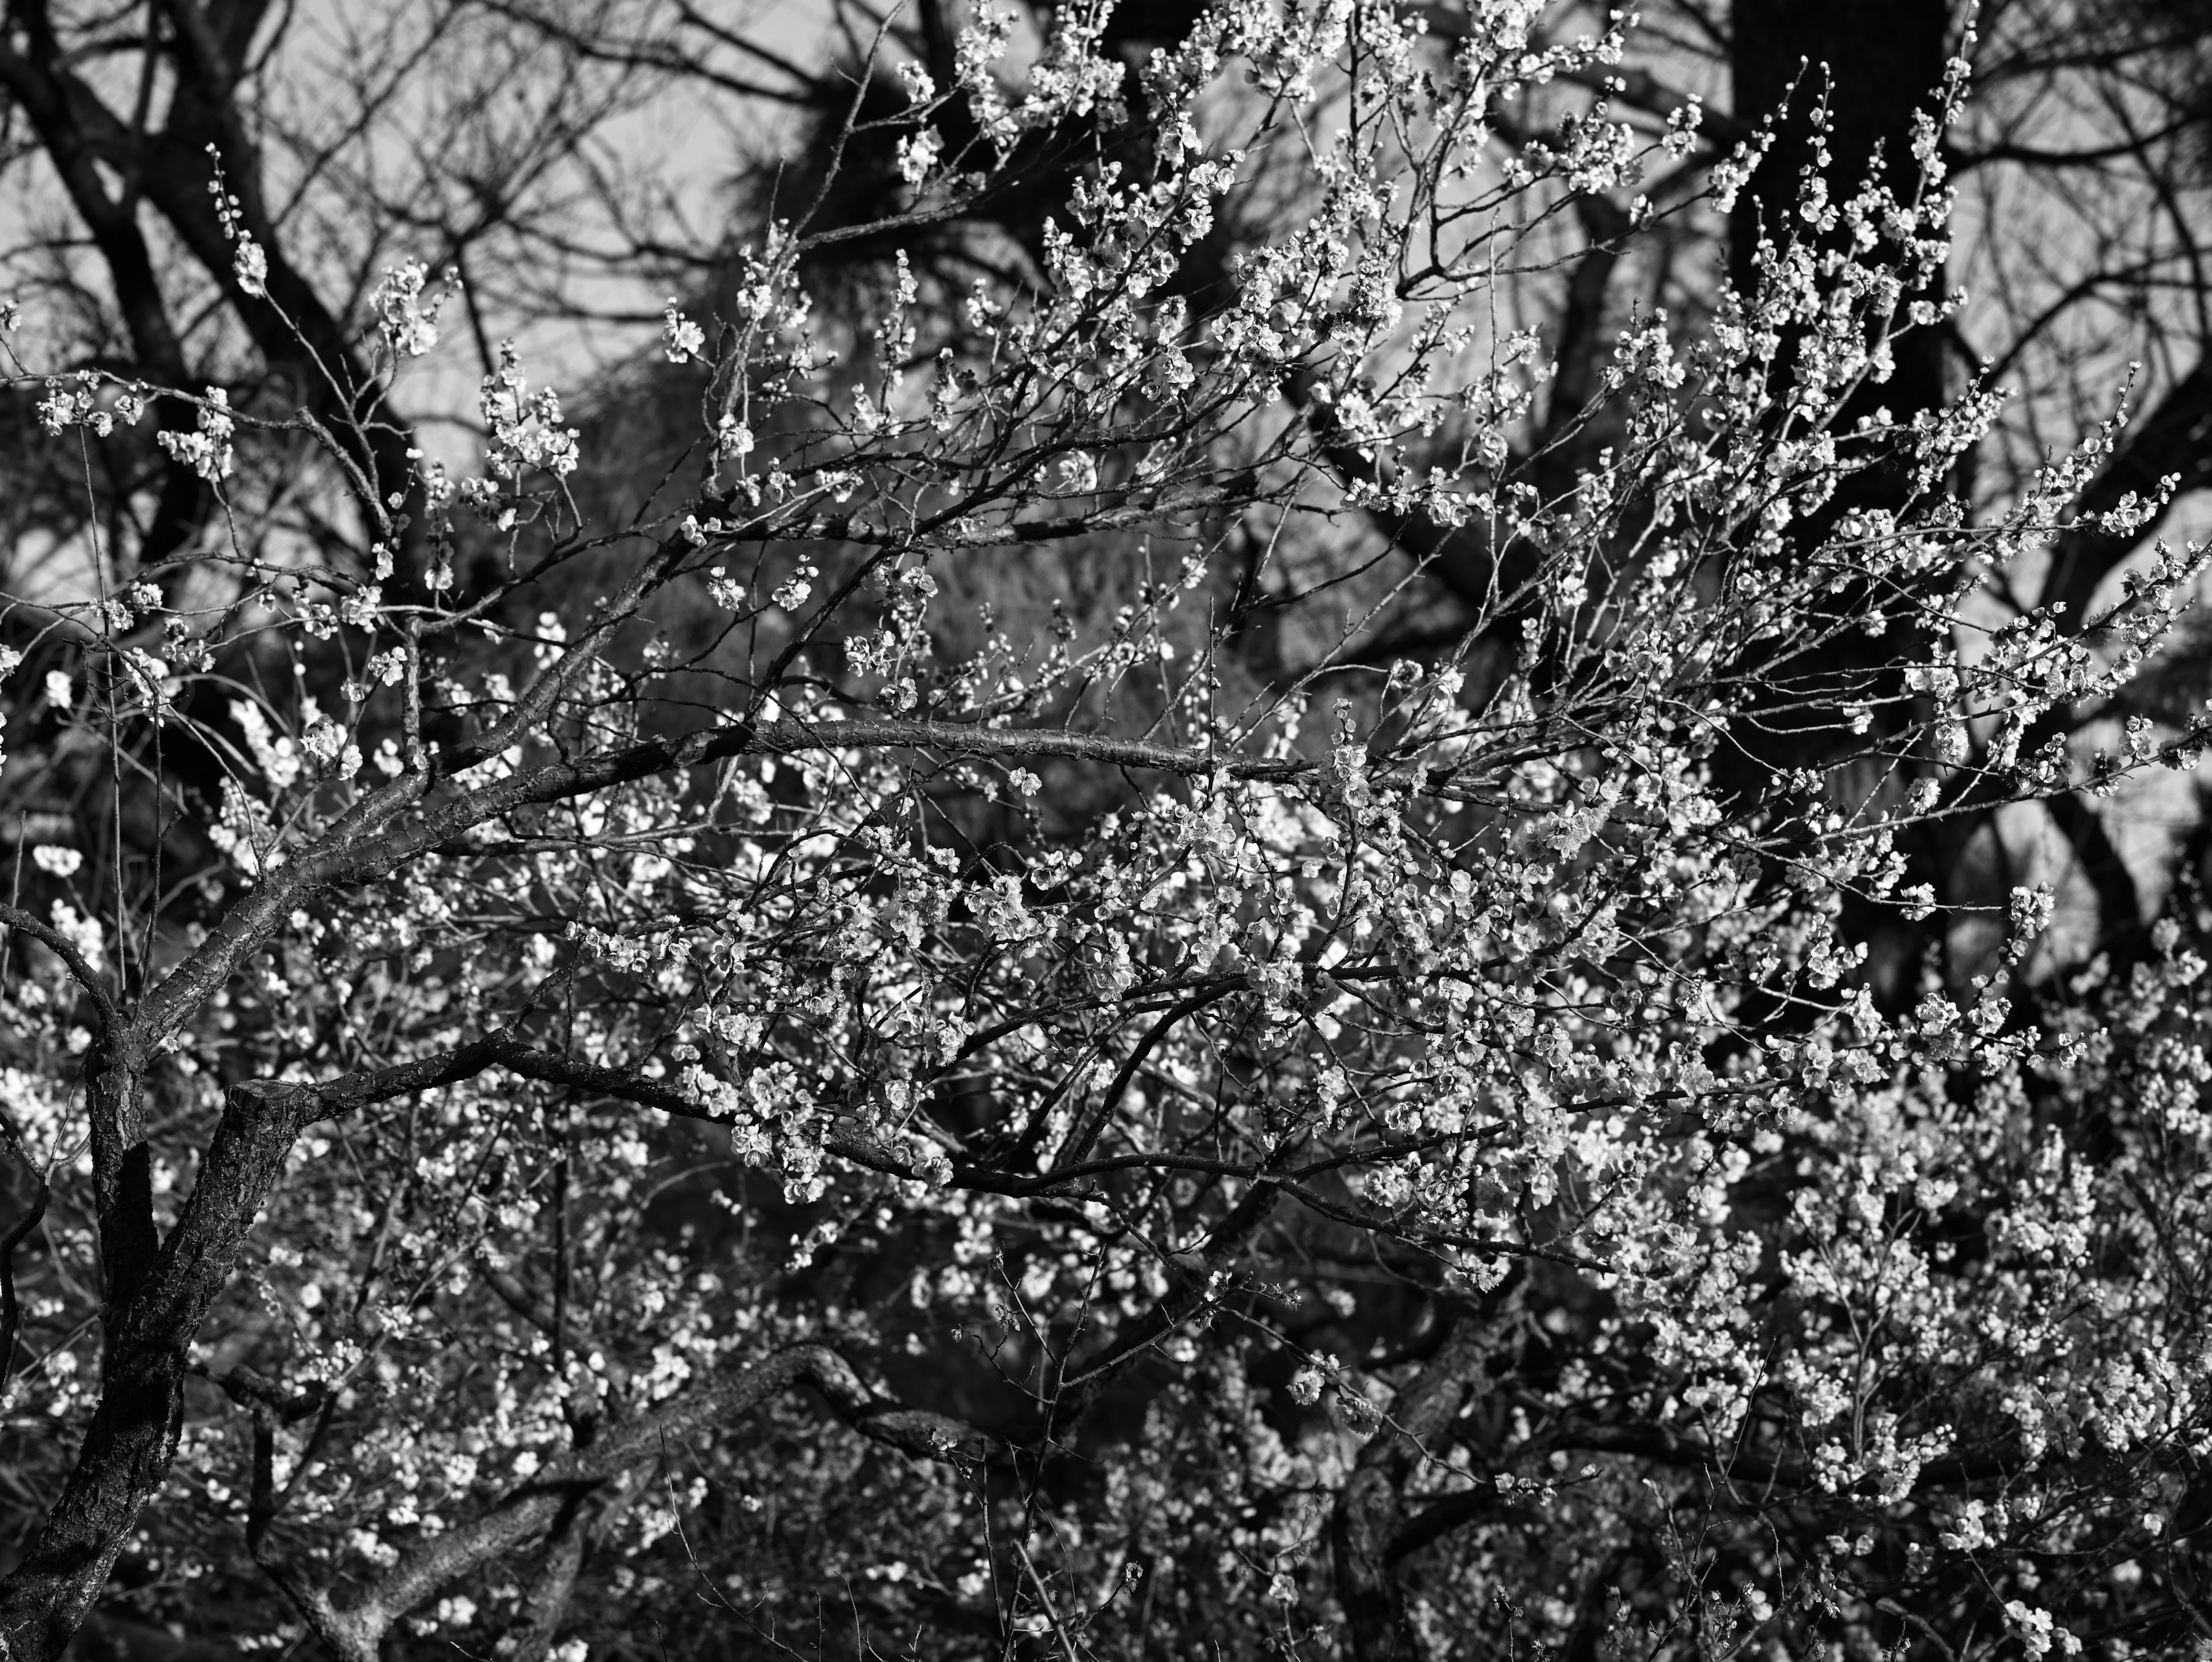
[{"x": 1269, "y": 858}]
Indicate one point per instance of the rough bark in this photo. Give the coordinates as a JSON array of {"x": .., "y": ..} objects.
[
  {"x": 132, "y": 1439},
  {"x": 1371, "y": 1508}
]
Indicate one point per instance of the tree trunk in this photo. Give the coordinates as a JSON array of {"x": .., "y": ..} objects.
[
  {"x": 1874, "y": 65},
  {"x": 132, "y": 1440},
  {"x": 1371, "y": 1504},
  {"x": 1885, "y": 59}
]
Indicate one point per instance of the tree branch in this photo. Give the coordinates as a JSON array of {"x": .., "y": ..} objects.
[
  {"x": 356, "y": 849},
  {"x": 66, "y": 950},
  {"x": 536, "y": 1508},
  {"x": 1364, "y": 1521},
  {"x": 2174, "y": 438}
]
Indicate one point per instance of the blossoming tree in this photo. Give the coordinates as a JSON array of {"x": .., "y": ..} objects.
[{"x": 585, "y": 1097}]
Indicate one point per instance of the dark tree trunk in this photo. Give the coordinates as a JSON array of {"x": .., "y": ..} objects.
[
  {"x": 1874, "y": 65},
  {"x": 1885, "y": 59},
  {"x": 132, "y": 1439},
  {"x": 1365, "y": 1523}
]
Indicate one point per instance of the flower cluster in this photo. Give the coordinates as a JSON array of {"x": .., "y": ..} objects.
[{"x": 878, "y": 914}]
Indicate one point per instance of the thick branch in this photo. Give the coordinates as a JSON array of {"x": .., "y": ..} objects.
[
  {"x": 360, "y": 847},
  {"x": 129, "y": 1446},
  {"x": 2119, "y": 902},
  {"x": 536, "y": 1508},
  {"x": 546, "y": 1600},
  {"x": 2174, "y": 438},
  {"x": 1366, "y": 1516},
  {"x": 1197, "y": 1273},
  {"x": 62, "y": 947}
]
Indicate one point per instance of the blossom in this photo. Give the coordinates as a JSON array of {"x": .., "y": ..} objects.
[
  {"x": 249, "y": 263},
  {"x": 206, "y": 449},
  {"x": 680, "y": 338},
  {"x": 409, "y": 327},
  {"x": 916, "y": 155},
  {"x": 702, "y": 1011},
  {"x": 526, "y": 434}
]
